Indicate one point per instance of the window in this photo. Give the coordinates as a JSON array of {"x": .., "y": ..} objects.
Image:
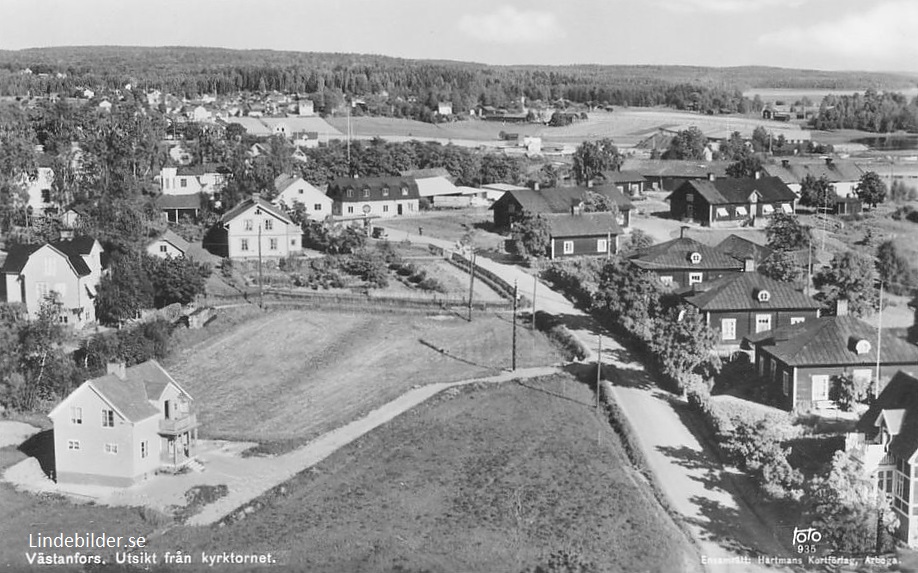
[
  {"x": 269, "y": 225},
  {"x": 862, "y": 376},
  {"x": 728, "y": 329},
  {"x": 741, "y": 212},
  {"x": 763, "y": 296},
  {"x": 722, "y": 212},
  {"x": 108, "y": 418},
  {"x": 762, "y": 322},
  {"x": 404, "y": 191},
  {"x": 317, "y": 207},
  {"x": 667, "y": 280},
  {"x": 568, "y": 247},
  {"x": 144, "y": 449},
  {"x": 820, "y": 387},
  {"x": 50, "y": 266},
  {"x": 768, "y": 209},
  {"x": 350, "y": 208},
  {"x": 45, "y": 195},
  {"x": 292, "y": 242},
  {"x": 366, "y": 192},
  {"x": 695, "y": 258},
  {"x": 111, "y": 449},
  {"x": 785, "y": 383},
  {"x": 244, "y": 245},
  {"x": 184, "y": 182},
  {"x": 385, "y": 191},
  {"x": 76, "y": 415},
  {"x": 73, "y": 445},
  {"x": 163, "y": 249},
  {"x": 602, "y": 246},
  {"x": 690, "y": 198},
  {"x": 761, "y": 366},
  {"x": 272, "y": 244},
  {"x": 797, "y": 320},
  {"x": 300, "y": 191},
  {"x": 350, "y": 192},
  {"x": 248, "y": 224},
  {"x": 786, "y": 207},
  {"x": 61, "y": 289},
  {"x": 695, "y": 278},
  {"x": 885, "y": 481},
  {"x": 63, "y": 319},
  {"x": 385, "y": 208}
]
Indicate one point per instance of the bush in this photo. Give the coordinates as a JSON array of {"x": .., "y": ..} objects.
[
  {"x": 432, "y": 284},
  {"x": 906, "y": 212}
]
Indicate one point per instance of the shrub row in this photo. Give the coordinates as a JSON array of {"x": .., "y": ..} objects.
[{"x": 573, "y": 347}]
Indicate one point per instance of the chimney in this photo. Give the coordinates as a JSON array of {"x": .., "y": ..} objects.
[
  {"x": 682, "y": 231},
  {"x": 116, "y": 368},
  {"x": 748, "y": 265},
  {"x": 710, "y": 176},
  {"x": 841, "y": 307},
  {"x": 785, "y": 163}
]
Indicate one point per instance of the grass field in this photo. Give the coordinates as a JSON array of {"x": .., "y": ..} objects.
[
  {"x": 287, "y": 376},
  {"x": 454, "y": 225},
  {"x": 485, "y": 479}
]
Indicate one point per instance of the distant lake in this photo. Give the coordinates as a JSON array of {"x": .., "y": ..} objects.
[{"x": 889, "y": 143}]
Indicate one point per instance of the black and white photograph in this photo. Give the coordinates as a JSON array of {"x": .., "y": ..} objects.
[{"x": 404, "y": 286}]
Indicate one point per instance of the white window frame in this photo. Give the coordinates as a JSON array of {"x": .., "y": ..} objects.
[
  {"x": 602, "y": 246},
  {"x": 862, "y": 374},
  {"x": 163, "y": 249},
  {"x": 108, "y": 418},
  {"x": 317, "y": 207},
  {"x": 823, "y": 381},
  {"x": 695, "y": 278},
  {"x": 722, "y": 212},
  {"x": 272, "y": 244},
  {"x": 51, "y": 265},
  {"x": 785, "y": 382},
  {"x": 144, "y": 449},
  {"x": 76, "y": 415},
  {"x": 350, "y": 208},
  {"x": 74, "y": 445},
  {"x": 568, "y": 247},
  {"x": 111, "y": 448},
  {"x": 762, "y": 320},
  {"x": 385, "y": 208},
  {"x": 248, "y": 224},
  {"x": 244, "y": 245},
  {"x": 742, "y": 211},
  {"x": 666, "y": 279},
  {"x": 728, "y": 326},
  {"x": 269, "y": 225},
  {"x": 797, "y": 320}
]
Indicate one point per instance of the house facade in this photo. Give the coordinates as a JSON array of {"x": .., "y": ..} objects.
[
  {"x": 731, "y": 202},
  {"x": 739, "y": 305},
  {"x": 168, "y": 245},
  {"x": 556, "y": 200},
  {"x": 192, "y": 180},
  {"x": 257, "y": 227},
  {"x": 669, "y": 174},
  {"x": 292, "y": 190},
  {"x": 374, "y": 197},
  {"x": 583, "y": 234},
  {"x": 843, "y": 175},
  {"x": 72, "y": 269},
  {"x": 119, "y": 429},
  {"x": 684, "y": 262},
  {"x": 885, "y": 442},
  {"x": 800, "y": 361},
  {"x": 39, "y": 191}
]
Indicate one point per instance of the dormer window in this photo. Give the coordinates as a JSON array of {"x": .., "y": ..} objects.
[
  {"x": 763, "y": 296},
  {"x": 404, "y": 191},
  {"x": 366, "y": 191},
  {"x": 695, "y": 258},
  {"x": 862, "y": 346},
  {"x": 385, "y": 191},
  {"x": 350, "y": 192}
]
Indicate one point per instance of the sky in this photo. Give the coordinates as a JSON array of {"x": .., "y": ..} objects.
[{"x": 874, "y": 35}]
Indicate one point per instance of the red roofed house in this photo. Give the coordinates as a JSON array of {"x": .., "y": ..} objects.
[
  {"x": 72, "y": 269},
  {"x": 121, "y": 428},
  {"x": 886, "y": 444},
  {"x": 741, "y": 304},
  {"x": 802, "y": 359},
  {"x": 683, "y": 262},
  {"x": 255, "y": 220},
  {"x": 731, "y": 201}
]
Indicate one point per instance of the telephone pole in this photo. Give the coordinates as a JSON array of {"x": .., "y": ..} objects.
[
  {"x": 598, "y": 371},
  {"x": 261, "y": 296},
  {"x": 471, "y": 282},
  {"x": 535, "y": 283},
  {"x": 876, "y": 389},
  {"x": 515, "y": 304}
]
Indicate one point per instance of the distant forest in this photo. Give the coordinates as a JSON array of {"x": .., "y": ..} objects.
[{"x": 190, "y": 72}]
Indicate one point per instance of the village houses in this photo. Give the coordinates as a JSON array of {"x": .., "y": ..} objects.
[
  {"x": 256, "y": 228},
  {"x": 293, "y": 189},
  {"x": 374, "y": 197}
]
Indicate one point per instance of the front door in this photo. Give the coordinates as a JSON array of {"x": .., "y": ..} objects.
[
  {"x": 689, "y": 211},
  {"x": 399, "y": 209}
]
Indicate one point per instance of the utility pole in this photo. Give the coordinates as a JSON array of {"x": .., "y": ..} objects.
[
  {"x": 876, "y": 389},
  {"x": 515, "y": 304},
  {"x": 535, "y": 283},
  {"x": 598, "y": 371},
  {"x": 261, "y": 296},
  {"x": 471, "y": 282},
  {"x": 809, "y": 266}
]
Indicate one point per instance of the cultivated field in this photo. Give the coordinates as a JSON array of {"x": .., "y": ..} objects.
[
  {"x": 287, "y": 376},
  {"x": 484, "y": 479}
]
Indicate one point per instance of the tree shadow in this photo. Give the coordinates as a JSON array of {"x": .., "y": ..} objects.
[
  {"x": 41, "y": 447},
  {"x": 448, "y": 354}
]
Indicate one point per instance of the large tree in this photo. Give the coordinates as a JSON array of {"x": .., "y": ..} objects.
[
  {"x": 592, "y": 158},
  {"x": 785, "y": 232},
  {"x": 781, "y": 266},
  {"x": 682, "y": 341},
  {"x": 746, "y": 167},
  {"x": 629, "y": 298},
  {"x": 851, "y": 275},
  {"x": 531, "y": 235},
  {"x": 896, "y": 269},
  {"x": 818, "y": 193},
  {"x": 871, "y": 189},
  {"x": 687, "y": 144}
]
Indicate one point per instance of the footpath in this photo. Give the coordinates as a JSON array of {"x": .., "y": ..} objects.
[{"x": 728, "y": 532}]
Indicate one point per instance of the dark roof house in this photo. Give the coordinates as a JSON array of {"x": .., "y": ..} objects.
[
  {"x": 554, "y": 200},
  {"x": 731, "y": 201}
]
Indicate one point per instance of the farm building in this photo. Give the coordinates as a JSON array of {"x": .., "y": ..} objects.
[{"x": 731, "y": 202}]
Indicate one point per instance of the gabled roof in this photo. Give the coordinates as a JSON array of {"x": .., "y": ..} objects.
[
  {"x": 732, "y": 191},
  {"x": 741, "y": 292},
  {"x": 191, "y": 201},
  {"x": 73, "y": 250},
  {"x": 18, "y": 256},
  {"x": 741, "y": 249},
  {"x": 560, "y": 199},
  {"x": 622, "y": 177},
  {"x": 250, "y": 203},
  {"x": 836, "y": 171},
  {"x": 173, "y": 239},
  {"x": 429, "y": 172},
  {"x": 375, "y": 188},
  {"x": 678, "y": 168},
  {"x": 830, "y": 341},
  {"x": 676, "y": 254},
  {"x": 283, "y": 181},
  {"x": 198, "y": 170},
  {"x": 82, "y": 245},
  {"x": 130, "y": 396},
  {"x": 898, "y": 402},
  {"x": 435, "y": 186},
  {"x": 584, "y": 225}
]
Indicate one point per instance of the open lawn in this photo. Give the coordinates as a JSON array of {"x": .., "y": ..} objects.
[
  {"x": 453, "y": 226},
  {"x": 482, "y": 479},
  {"x": 288, "y": 376}
]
